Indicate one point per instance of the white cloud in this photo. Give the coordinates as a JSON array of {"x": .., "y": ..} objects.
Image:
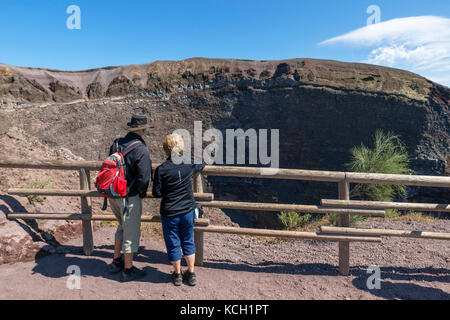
[{"x": 419, "y": 44}]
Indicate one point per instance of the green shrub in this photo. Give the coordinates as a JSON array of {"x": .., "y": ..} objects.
[
  {"x": 38, "y": 184},
  {"x": 389, "y": 155},
  {"x": 392, "y": 213},
  {"x": 292, "y": 220},
  {"x": 355, "y": 219},
  {"x": 416, "y": 217}
]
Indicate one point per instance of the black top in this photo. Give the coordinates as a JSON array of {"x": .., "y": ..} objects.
[
  {"x": 172, "y": 182},
  {"x": 138, "y": 164}
]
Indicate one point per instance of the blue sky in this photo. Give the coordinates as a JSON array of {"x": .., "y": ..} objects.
[{"x": 34, "y": 32}]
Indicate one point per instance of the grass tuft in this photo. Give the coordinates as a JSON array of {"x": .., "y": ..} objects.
[
  {"x": 413, "y": 216},
  {"x": 293, "y": 220},
  {"x": 38, "y": 184}
]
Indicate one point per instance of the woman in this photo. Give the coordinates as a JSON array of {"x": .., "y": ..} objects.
[{"x": 172, "y": 182}]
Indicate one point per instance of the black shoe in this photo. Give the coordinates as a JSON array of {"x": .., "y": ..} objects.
[
  {"x": 190, "y": 278},
  {"x": 132, "y": 274},
  {"x": 177, "y": 278},
  {"x": 116, "y": 266}
]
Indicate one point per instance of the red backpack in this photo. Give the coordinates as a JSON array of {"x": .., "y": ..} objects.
[{"x": 111, "y": 180}]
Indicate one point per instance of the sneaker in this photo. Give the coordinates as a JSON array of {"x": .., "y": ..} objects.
[
  {"x": 117, "y": 265},
  {"x": 132, "y": 274},
  {"x": 177, "y": 278},
  {"x": 190, "y": 278}
]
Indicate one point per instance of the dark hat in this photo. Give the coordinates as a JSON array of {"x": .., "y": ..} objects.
[{"x": 138, "y": 122}]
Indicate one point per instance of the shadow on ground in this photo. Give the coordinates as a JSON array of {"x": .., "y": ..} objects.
[
  {"x": 95, "y": 266},
  {"x": 396, "y": 282},
  {"x": 29, "y": 226},
  {"x": 388, "y": 289},
  {"x": 318, "y": 269},
  {"x": 404, "y": 290}
]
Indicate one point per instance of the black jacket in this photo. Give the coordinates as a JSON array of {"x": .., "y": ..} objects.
[
  {"x": 138, "y": 164},
  {"x": 172, "y": 182}
]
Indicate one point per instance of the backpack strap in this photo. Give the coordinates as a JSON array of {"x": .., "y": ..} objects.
[
  {"x": 105, "y": 204},
  {"x": 131, "y": 147},
  {"x": 127, "y": 150},
  {"x": 115, "y": 146},
  {"x": 118, "y": 148}
]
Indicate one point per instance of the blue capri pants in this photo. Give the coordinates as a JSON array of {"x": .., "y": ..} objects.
[{"x": 179, "y": 235}]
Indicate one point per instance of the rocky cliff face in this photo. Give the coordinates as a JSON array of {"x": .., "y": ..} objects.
[{"x": 322, "y": 108}]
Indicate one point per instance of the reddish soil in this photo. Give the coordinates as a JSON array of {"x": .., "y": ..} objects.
[{"x": 240, "y": 267}]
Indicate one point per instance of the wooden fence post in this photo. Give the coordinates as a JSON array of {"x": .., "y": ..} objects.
[
  {"x": 198, "y": 235},
  {"x": 86, "y": 209},
  {"x": 344, "y": 221}
]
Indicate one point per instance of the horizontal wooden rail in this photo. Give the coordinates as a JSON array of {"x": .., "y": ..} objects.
[
  {"x": 261, "y": 172},
  {"x": 256, "y": 172},
  {"x": 50, "y": 164},
  {"x": 85, "y": 193},
  {"x": 202, "y": 225},
  {"x": 385, "y": 205},
  {"x": 290, "y": 207},
  {"x": 332, "y": 176},
  {"x": 95, "y": 217},
  {"x": 385, "y": 232},
  {"x": 285, "y": 234},
  {"x": 401, "y": 179}
]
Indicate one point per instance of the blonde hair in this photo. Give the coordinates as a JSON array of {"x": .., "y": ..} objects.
[{"x": 173, "y": 143}]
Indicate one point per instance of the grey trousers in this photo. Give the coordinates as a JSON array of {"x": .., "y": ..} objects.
[{"x": 129, "y": 229}]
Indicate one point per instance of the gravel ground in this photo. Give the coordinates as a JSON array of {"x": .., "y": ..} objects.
[{"x": 242, "y": 267}]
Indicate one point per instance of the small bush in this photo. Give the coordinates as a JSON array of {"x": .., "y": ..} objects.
[
  {"x": 292, "y": 220},
  {"x": 392, "y": 213},
  {"x": 415, "y": 216},
  {"x": 389, "y": 155},
  {"x": 355, "y": 219},
  {"x": 315, "y": 223},
  {"x": 38, "y": 184},
  {"x": 104, "y": 224}
]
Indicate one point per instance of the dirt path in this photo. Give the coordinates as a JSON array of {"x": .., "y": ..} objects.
[{"x": 239, "y": 267}]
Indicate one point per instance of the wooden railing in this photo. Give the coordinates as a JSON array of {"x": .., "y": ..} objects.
[{"x": 343, "y": 207}]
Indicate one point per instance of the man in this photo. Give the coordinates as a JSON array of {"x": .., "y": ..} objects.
[{"x": 138, "y": 170}]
